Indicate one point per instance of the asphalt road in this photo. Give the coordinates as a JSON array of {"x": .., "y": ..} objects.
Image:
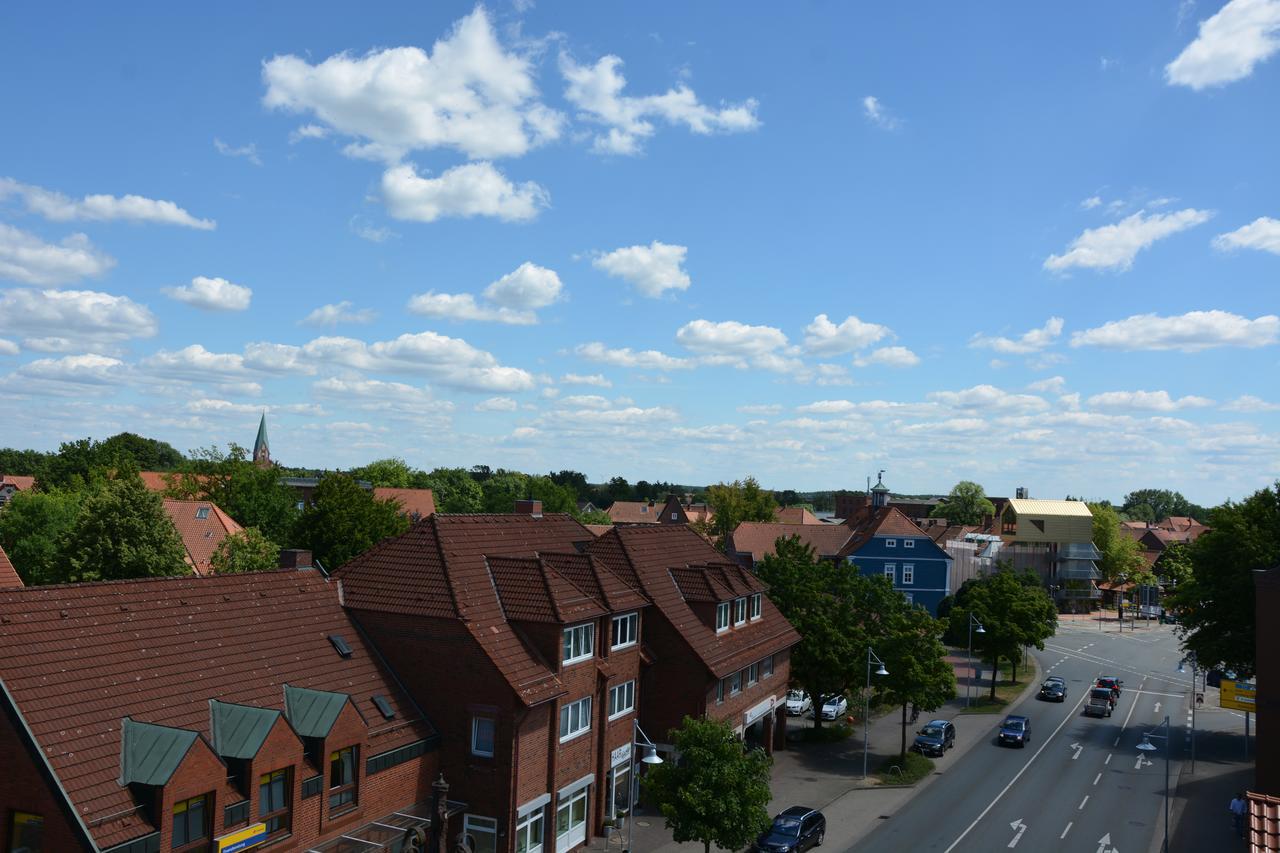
[{"x": 1080, "y": 783}]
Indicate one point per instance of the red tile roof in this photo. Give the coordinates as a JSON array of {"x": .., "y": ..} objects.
[
  {"x": 795, "y": 515},
  {"x": 877, "y": 521},
  {"x": 200, "y": 536},
  {"x": 20, "y": 482},
  {"x": 758, "y": 538},
  {"x": 598, "y": 529},
  {"x": 9, "y": 578},
  {"x": 157, "y": 481},
  {"x": 415, "y": 503},
  {"x": 1263, "y": 831},
  {"x": 77, "y": 658},
  {"x": 635, "y": 512}
]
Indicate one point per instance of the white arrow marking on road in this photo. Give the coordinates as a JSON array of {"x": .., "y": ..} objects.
[
  {"x": 1021, "y": 828},
  {"x": 1157, "y": 707},
  {"x": 1104, "y": 842},
  {"x": 1142, "y": 761},
  {"x": 1078, "y": 748}
]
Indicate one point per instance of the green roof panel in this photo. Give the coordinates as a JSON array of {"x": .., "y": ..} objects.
[
  {"x": 239, "y": 730},
  {"x": 149, "y": 753},
  {"x": 312, "y": 713}
]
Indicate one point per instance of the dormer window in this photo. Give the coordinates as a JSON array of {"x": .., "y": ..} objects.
[
  {"x": 202, "y": 513},
  {"x": 644, "y": 509},
  {"x": 625, "y": 630},
  {"x": 722, "y": 616},
  {"x": 756, "y": 605},
  {"x": 579, "y": 643},
  {"x": 190, "y": 821},
  {"x": 740, "y": 611}
]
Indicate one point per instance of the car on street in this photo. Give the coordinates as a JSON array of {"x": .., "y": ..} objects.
[
  {"x": 935, "y": 738},
  {"x": 1099, "y": 702},
  {"x": 1054, "y": 689},
  {"x": 798, "y": 702},
  {"x": 1014, "y": 731},
  {"x": 1112, "y": 683},
  {"x": 833, "y": 708},
  {"x": 793, "y": 831}
]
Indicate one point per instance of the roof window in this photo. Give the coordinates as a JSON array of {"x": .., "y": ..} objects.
[
  {"x": 384, "y": 706},
  {"x": 340, "y": 645},
  {"x": 202, "y": 513}
]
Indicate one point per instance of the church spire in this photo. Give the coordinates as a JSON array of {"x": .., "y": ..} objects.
[{"x": 261, "y": 447}]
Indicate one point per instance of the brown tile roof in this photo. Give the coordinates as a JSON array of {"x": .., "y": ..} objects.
[
  {"x": 415, "y": 503},
  {"x": 21, "y": 482},
  {"x": 648, "y": 556},
  {"x": 157, "y": 481},
  {"x": 200, "y": 536},
  {"x": 873, "y": 521},
  {"x": 9, "y": 578},
  {"x": 77, "y": 658},
  {"x": 941, "y": 534},
  {"x": 598, "y": 529},
  {"x": 1263, "y": 830},
  {"x": 757, "y": 538},
  {"x": 635, "y": 512},
  {"x": 795, "y": 515}
]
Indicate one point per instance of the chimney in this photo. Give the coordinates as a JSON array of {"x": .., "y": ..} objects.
[
  {"x": 295, "y": 558},
  {"x": 529, "y": 507}
]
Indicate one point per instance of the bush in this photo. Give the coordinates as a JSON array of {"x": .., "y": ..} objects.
[{"x": 912, "y": 771}]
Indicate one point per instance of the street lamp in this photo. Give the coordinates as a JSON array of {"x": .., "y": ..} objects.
[
  {"x": 1148, "y": 746},
  {"x": 650, "y": 757},
  {"x": 968, "y": 688},
  {"x": 866, "y": 704}
]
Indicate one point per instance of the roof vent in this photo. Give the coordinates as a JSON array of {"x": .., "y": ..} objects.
[
  {"x": 384, "y": 706},
  {"x": 340, "y": 645}
]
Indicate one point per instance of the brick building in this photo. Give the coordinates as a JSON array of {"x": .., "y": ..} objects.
[
  {"x": 182, "y": 714},
  {"x": 201, "y": 525}
]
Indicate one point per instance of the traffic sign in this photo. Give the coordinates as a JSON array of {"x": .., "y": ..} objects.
[{"x": 1239, "y": 695}]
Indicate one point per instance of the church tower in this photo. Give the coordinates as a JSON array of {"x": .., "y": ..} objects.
[
  {"x": 880, "y": 492},
  {"x": 261, "y": 448}
]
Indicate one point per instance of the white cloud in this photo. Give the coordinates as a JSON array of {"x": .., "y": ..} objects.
[
  {"x": 67, "y": 376},
  {"x": 890, "y": 357},
  {"x": 8, "y": 347},
  {"x": 822, "y": 337},
  {"x": 468, "y": 94},
  {"x": 101, "y": 208},
  {"x": 988, "y": 398},
  {"x": 1240, "y": 35},
  {"x": 339, "y": 312},
  {"x": 463, "y": 307},
  {"x": 82, "y": 319},
  {"x": 1250, "y": 403},
  {"x": 394, "y": 398},
  {"x": 596, "y": 379},
  {"x": 472, "y": 189},
  {"x": 450, "y": 361},
  {"x": 1150, "y": 401},
  {"x": 194, "y": 363},
  {"x": 497, "y": 404},
  {"x": 1115, "y": 246},
  {"x": 761, "y": 409},
  {"x": 877, "y": 114},
  {"x": 26, "y": 258},
  {"x": 730, "y": 338},
  {"x": 1052, "y": 385},
  {"x": 1091, "y": 202},
  {"x": 1190, "y": 332},
  {"x": 613, "y": 417},
  {"x": 1032, "y": 341},
  {"x": 276, "y": 358},
  {"x": 586, "y": 401},
  {"x": 528, "y": 287},
  {"x": 1262, "y": 233},
  {"x": 249, "y": 152},
  {"x": 212, "y": 294},
  {"x": 949, "y": 426},
  {"x": 596, "y": 90},
  {"x": 828, "y": 407},
  {"x": 652, "y": 269},
  {"x": 366, "y": 230},
  {"x": 212, "y": 406},
  {"x": 626, "y": 357},
  {"x": 308, "y": 131}
]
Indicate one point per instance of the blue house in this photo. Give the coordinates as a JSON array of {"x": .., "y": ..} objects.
[{"x": 883, "y": 541}]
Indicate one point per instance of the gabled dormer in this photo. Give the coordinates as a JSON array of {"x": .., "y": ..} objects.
[{"x": 725, "y": 597}]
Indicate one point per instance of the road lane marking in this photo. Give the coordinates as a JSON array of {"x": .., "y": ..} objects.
[
  {"x": 1078, "y": 748},
  {"x": 1142, "y": 759},
  {"x": 1021, "y": 828},
  {"x": 1065, "y": 831},
  {"x": 1108, "y": 761},
  {"x": 1082, "y": 802},
  {"x": 1096, "y": 778}
]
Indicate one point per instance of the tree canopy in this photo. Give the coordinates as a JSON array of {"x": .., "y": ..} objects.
[
  {"x": 253, "y": 496},
  {"x": 1159, "y": 504},
  {"x": 392, "y": 473},
  {"x": 453, "y": 489},
  {"x": 736, "y": 502},
  {"x": 966, "y": 504},
  {"x": 32, "y": 526},
  {"x": 122, "y": 531},
  {"x": 919, "y": 673},
  {"x": 344, "y": 520},
  {"x": 1015, "y": 611},
  {"x": 246, "y": 551},
  {"x": 1122, "y": 560}
]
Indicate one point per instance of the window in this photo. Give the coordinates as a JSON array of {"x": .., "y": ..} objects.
[
  {"x": 891, "y": 543},
  {"x": 483, "y": 730},
  {"x": 483, "y": 832},
  {"x": 190, "y": 823},
  {"x": 910, "y": 597},
  {"x": 301, "y": 506},
  {"x": 579, "y": 643},
  {"x": 27, "y": 833},
  {"x": 235, "y": 814},
  {"x": 675, "y": 516},
  {"x": 753, "y": 674},
  {"x": 620, "y": 795},
  {"x": 575, "y": 718},
  {"x": 273, "y": 801},
  {"x": 740, "y": 611},
  {"x": 202, "y": 513},
  {"x": 720, "y": 692},
  {"x": 529, "y": 831},
  {"x": 889, "y": 572},
  {"x": 342, "y": 777},
  {"x": 756, "y": 605},
  {"x": 571, "y": 821},
  {"x": 908, "y": 573},
  {"x": 908, "y": 543},
  {"x": 644, "y": 509},
  {"x": 625, "y": 630},
  {"x": 766, "y": 666},
  {"x": 622, "y": 699},
  {"x": 722, "y": 616},
  {"x": 735, "y": 683}
]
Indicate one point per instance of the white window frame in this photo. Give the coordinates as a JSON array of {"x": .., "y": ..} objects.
[
  {"x": 736, "y": 677},
  {"x": 753, "y": 674},
  {"x": 473, "y": 824},
  {"x": 475, "y": 729},
  {"x": 675, "y": 516},
  {"x": 720, "y": 692},
  {"x": 573, "y": 637},
  {"x": 910, "y": 597},
  {"x": 722, "y": 616},
  {"x": 908, "y": 574},
  {"x": 756, "y": 606},
  {"x": 891, "y": 572},
  {"x": 891, "y": 543},
  {"x": 567, "y": 840},
  {"x": 766, "y": 667},
  {"x": 631, "y": 622},
  {"x": 739, "y": 611},
  {"x": 580, "y": 709},
  {"x": 908, "y": 543},
  {"x": 619, "y": 693},
  {"x": 525, "y": 825}
]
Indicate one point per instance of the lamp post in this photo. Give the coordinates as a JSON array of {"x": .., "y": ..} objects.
[
  {"x": 1148, "y": 746},
  {"x": 866, "y": 704},
  {"x": 650, "y": 757},
  {"x": 968, "y": 687}
]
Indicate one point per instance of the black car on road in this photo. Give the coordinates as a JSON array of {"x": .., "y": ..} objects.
[
  {"x": 935, "y": 738},
  {"x": 794, "y": 831},
  {"x": 1014, "y": 731},
  {"x": 1054, "y": 689}
]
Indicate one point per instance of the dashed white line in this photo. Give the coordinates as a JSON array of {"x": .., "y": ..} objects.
[
  {"x": 1096, "y": 778},
  {"x": 1108, "y": 761},
  {"x": 1082, "y": 802},
  {"x": 1065, "y": 831}
]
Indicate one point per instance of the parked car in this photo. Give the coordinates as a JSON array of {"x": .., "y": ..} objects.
[
  {"x": 1054, "y": 689},
  {"x": 935, "y": 738},
  {"x": 1100, "y": 702},
  {"x": 833, "y": 708},
  {"x": 794, "y": 831},
  {"x": 1015, "y": 731},
  {"x": 798, "y": 702},
  {"x": 1112, "y": 683}
]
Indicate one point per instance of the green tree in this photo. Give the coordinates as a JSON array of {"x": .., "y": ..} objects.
[
  {"x": 246, "y": 551},
  {"x": 598, "y": 516},
  {"x": 147, "y": 453},
  {"x": 27, "y": 463},
  {"x": 502, "y": 489},
  {"x": 454, "y": 490},
  {"x": 1175, "y": 566},
  {"x": 392, "y": 473},
  {"x": 736, "y": 502},
  {"x": 1122, "y": 560},
  {"x": 1158, "y": 504},
  {"x": 717, "y": 793},
  {"x": 122, "y": 531},
  {"x": 1015, "y": 611},
  {"x": 32, "y": 526},
  {"x": 253, "y": 496},
  {"x": 919, "y": 673},
  {"x": 966, "y": 504},
  {"x": 575, "y": 480},
  {"x": 554, "y": 497},
  {"x": 345, "y": 520},
  {"x": 619, "y": 489},
  {"x": 1216, "y": 604}
]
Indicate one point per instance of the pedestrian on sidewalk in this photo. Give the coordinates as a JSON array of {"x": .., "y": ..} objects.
[{"x": 1238, "y": 807}]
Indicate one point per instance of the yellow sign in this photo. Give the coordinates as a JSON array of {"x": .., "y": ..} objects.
[
  {"x": 243, "y": 839},
  {"x": 1239, "y": 695}
]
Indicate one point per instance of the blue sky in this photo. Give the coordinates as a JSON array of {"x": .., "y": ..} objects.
[{"x": 1025, "y": 246}]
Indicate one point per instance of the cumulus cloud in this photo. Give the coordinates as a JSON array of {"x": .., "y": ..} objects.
[
  {"x": 652, "y": 269},
  {"x": 1032, "y": 341},
  {"x": 212, "y": 294},
  {"x": 596, "y": 379},
  {"x": 988, "y": 398},
  {"x": 366, "y": 230},
  {"x": 738, "y": 345},
  {"x": 626, "y": 357},
  {"x": 1262, "y": 233},
  {"x": 1190, "y": 332},
  {"x": 62, "y": 320},
  {"x": 1250, "y": 403},
  {"x": 277, "y": 358},
  {"x": 1150, "y": 401},
  {"x": 822, "y": 337},
  {"x": 596, "y": 91},
  {"x": 449, "y": 361},
  {"x": 248, "y": 152},
  {"x": 512, "y": 299},
  {"x": 1052, "y": 385},
  {"x": 468, "y": 94},
  {"x": 463, "y": 307},
  {"x": 877, "y": 114},
  {"x": 71, "y": 375},
  {"x": 389, "y": 398},
  {"x": 889, "y": 357},
  {"x": 472, "y": 189},
  {"x": 1230, "y": 44},
  {"x": 1115, "y": 246},
  {"x": 101, "y": 208},
  {"x": 194, "y": 363},
  {"x": 26, "y": 258},
  {"x": 8, "y": 347},
  {"x": 339, "y": 312},
  {"x": 497, "y": 404}
]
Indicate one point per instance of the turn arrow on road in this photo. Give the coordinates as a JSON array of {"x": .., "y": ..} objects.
[{"x": 1021, "y": 828}]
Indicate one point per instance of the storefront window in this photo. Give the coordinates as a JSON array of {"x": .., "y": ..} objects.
[
  {"x": 529, "y": 831},
  {"x": 620, "y": 801},
  {"x": 27, "y": 835}
]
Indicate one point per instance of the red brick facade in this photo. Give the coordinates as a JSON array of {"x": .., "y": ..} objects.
[{"x": 25, "y": 787}]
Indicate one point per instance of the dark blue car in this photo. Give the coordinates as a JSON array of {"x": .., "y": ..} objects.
[
  {"x": 794, "y": 831},
  {"x": 1014, "y": 731}
]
